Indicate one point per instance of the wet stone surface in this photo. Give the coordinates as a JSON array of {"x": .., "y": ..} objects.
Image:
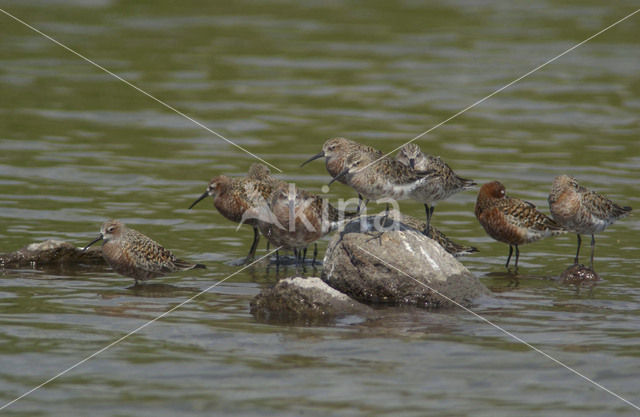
[{"x": 397, "y": 267}]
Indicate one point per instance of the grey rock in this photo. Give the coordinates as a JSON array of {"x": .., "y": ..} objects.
[
  {"x": 399, "y": 266},
  {"x": 51, "y": 253},
  {"x": 304, "y": 301}
]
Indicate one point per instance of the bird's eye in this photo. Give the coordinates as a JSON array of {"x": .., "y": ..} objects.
[{"x": 110, "y": 229}]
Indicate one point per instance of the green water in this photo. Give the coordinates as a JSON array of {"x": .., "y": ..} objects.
[{"x": 78, "y": 146}]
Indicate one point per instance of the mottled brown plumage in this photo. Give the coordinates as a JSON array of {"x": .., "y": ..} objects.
[
  {"x": 233, "y": 197},
  {"x": 335, "y": 152},
  {"x": 443, "y": 181},
  {"x": 293, "y": 218},
  {"x": 582, "y": 211},
  {"x": 386, "y": 179},
  {"x": 511, "y": 220},
  {"x": 135, "y": 255}
]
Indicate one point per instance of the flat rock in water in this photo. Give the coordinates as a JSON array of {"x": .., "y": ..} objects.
[
  {"x": 397, "y": 267},
  {"x": 306, "y": 300},
  {"x": 51, "y": 253}
]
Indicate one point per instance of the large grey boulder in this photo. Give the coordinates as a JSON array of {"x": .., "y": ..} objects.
[
  {"x": 399, "y": 266},
  {"x": 304, "y": 300},
  {"x": 51, "y": 253}
]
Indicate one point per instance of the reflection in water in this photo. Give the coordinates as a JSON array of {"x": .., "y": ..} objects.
[{"x": 155, "y": 289}]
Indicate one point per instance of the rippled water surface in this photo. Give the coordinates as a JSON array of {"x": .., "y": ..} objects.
[{"x": 78, "y": 146}]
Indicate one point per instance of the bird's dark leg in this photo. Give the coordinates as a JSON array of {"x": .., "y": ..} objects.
[
  {"x": 254, "y": 246},
  {"x": 315, "y": 254},
  {"x": 429, "y": 212},
  {"x": 575, "y": 261},
  {"x": 359, "y": 204},
  {"x": 593, "y": 248},
  {"x": 517, "y": 256},
  {"x": 509, "y": 257},
  {"x": 295, "y": 255},
  {"x": 304, "y": 254}
]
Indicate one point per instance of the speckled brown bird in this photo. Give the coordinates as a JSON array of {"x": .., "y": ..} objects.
[
  {"x": 443, "y": 183},
  {"x": 335, "y": 152},
  {"x": 582, "y": 211},
  {"x": 386, "y": 179},
  {"x": 232, "y": 197},
  {"x": 294, "y": 218},
  {"x": 511, "y": 220},
  {"x": 135, "y": 255}
]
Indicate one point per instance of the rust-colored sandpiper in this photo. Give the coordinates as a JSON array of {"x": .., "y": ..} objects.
[
  {"x": 443, "y": 183},
  {"x": 582, "y": 211},
  {"x": 232, "y": 197},
  {"x": 135, "y": 255},
  {"x": 511, "y": 220}
]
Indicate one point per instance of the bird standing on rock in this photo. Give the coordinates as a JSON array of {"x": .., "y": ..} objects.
[{"x": 443, "y": 183}]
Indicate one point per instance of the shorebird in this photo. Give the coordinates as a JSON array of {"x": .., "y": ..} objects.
[
  {"x": 133, "y": 254},
  {"x": 335, "y": 152},
  {"x": 443, "y": 183},
  {"x": 582, "y": 211},
  {"x": 386, "y": 178},
  {"x": 511, "y": 220},
  {"x": 294, "y": 218},
  {"x": 232, "y": 197}
]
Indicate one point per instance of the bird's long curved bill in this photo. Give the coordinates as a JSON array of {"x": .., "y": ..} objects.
[
  {"x": 99, "y": 238},
  {"x": 313, "y": 158},
  {"x": 202, "y": 197},
  {"x": 340, "y": 175}
]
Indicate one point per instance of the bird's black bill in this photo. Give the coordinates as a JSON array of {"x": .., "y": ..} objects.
[
  {"x": 202, "y": 197},
  {"x": 99, "y": 238},
  {"x": 340, "y": 175},
  {"x": 313, "y": 158}
]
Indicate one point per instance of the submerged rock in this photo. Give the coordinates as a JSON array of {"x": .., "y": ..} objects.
[
  {"x": 400, "y": 266},
  {"x": 579, "y": 274},
  {"x": 51, "y": 253},
  {"x": 307, "y": 300}
]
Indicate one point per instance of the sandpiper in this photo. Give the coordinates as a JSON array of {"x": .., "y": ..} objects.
[
  {"x": 582, "y": 211},
  {"x": 293, "y": 218},
  {"x": 444, "y": 182},
  {"x": 133, "y": 254},
  {"x": 335, "y": 152},
  {"x": 511, "y": 220},
  {"x": 386, "y": 178},
  {"x": 232, "y": 197}
]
